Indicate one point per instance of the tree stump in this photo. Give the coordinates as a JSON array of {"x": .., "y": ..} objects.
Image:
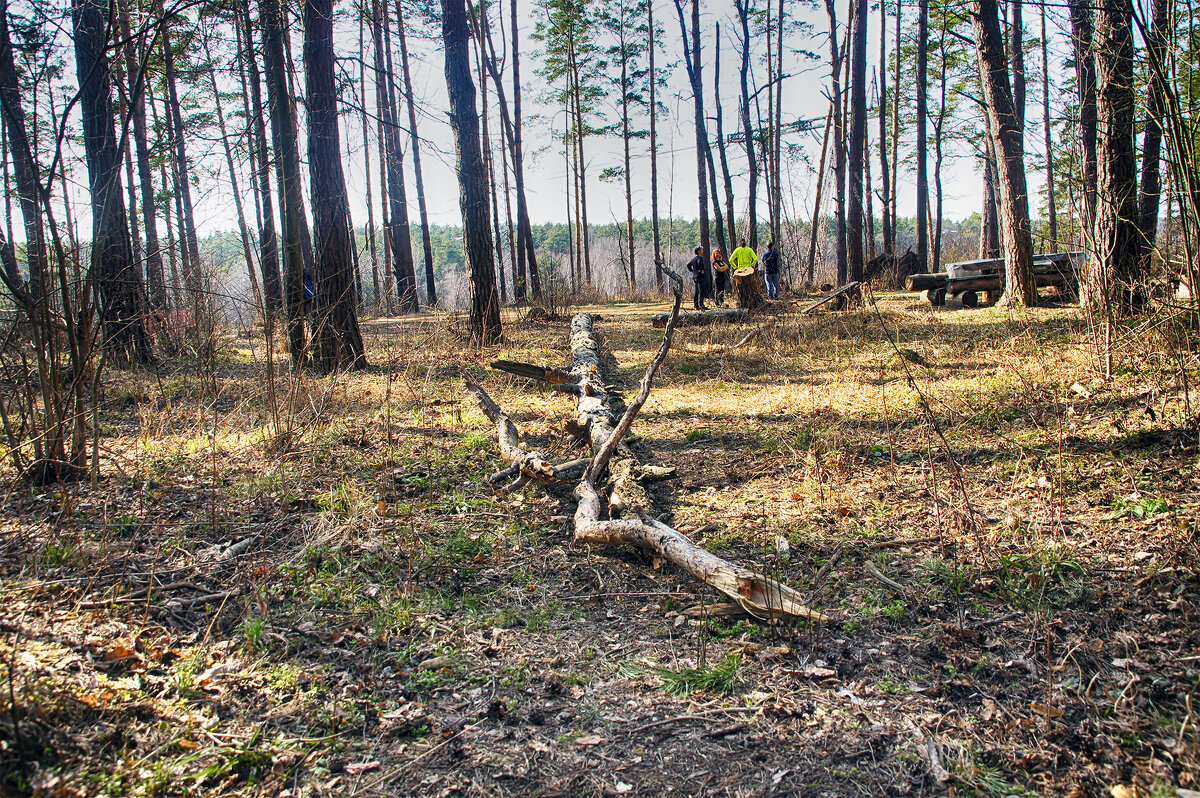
[{"x": 745, "y": 281}]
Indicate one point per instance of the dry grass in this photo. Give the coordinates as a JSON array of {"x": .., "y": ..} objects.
[{"x": 338, "y": 604}]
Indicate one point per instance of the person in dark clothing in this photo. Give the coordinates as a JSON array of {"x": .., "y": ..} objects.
[
  {"x": 770, "y": 264},
  {"x": 696, "y": 267},
  {"x": 721, "y": 273}
]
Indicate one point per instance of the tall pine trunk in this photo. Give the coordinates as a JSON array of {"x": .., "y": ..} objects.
[
  {"x": 338, "y": 342},
  {"x": 743, "y": 12},
  {"x": 1113, "y": 274},
  {"x": 527, "y": 256},
  {"x": 372, "y": 246},
  {"x": 727, "y": 180},
  {"x": 400, "y": 231},
  {"x": 418, "y": 174},
  {"x": 268, "y": 245},
  {"x": 837, "y": 56},
  {"x": 691, "y": 54},
  {"x": 1150, "y": 186},
  {"x": 122, "y": 304},
  {"x": 472, "y": 175},
  {"x": 923, "y": 135},
  {"x": 297, "y": 244},
  {"x": 1085, "y": 84},
  {"x": 651, "y": 46},
  {"x": 192, "y": 278},
  {"x": 155, "y": 274},
  {"x": 1051, "y": 209},
  {"x": 857, "y": 144},
  {"x": 889, "y": 246},
  {"x": 1006, "y": 137}
]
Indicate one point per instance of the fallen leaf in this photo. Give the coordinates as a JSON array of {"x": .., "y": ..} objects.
[{"x": 589, "y": 739}]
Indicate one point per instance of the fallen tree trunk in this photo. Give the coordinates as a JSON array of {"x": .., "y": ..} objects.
[
  {"x": 701, "y": 318},
  {"x": 847, "y": 294},
  {"x": 627, "y": 505}
]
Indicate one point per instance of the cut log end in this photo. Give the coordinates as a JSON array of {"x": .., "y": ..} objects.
[{"x": 745, "y": 283}]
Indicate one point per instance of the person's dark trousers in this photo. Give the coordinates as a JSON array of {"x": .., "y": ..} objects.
[
  {"x": 772, "y": 285},
  {"x": 722, "y": 286},
  {"x": 698, "y": 297}
]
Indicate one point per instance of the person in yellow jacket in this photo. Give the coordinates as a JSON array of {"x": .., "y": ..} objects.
[{"x": 743, "y": 257}]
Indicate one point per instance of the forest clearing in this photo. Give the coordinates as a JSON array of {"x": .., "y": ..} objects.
[{"x": 1005, "y": 543}]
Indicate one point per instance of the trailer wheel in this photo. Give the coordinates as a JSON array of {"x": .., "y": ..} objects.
[
  {"x": 937, "y": 297},
  {"x": 970, "y": 299}
]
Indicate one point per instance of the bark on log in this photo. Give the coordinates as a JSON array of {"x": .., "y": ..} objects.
[
  {"x": 701, "y": 318},
  {"x": 759, "y": 596},
  {"x": 745, "y": 281}
]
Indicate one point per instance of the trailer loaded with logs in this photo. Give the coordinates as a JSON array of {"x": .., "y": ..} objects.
[{"x": 965, "y": 280}]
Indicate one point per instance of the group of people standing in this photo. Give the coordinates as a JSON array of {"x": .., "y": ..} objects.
[{"x": 743, "y": 257}]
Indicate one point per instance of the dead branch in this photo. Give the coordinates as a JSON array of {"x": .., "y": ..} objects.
[{"x": 621, "y": 516}]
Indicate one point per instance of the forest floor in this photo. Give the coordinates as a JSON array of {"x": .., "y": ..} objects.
[{"x": 340, "y": 605}]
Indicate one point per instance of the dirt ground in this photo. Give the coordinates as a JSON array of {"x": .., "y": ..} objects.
[{"x": 314, "y": 590}]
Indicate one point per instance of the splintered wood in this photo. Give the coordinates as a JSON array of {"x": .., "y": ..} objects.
[{"x": 613, "y": 505}]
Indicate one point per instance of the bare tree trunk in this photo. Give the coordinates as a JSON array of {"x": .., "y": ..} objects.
[
  {"x": 894, "y": 194},
  {"x": 122, "y": 302},
  {"x": 243, "y": 229},
  {"x": 718, "y": 216},
  {"x": 1016, "y": 57},
  {"x": 426, "y": 241},
  {"x": 777, "y": 233},
  {"x": 839, "y": 146},
  {"x": 939, "y": 126},
  {"x": 1085, "y": 82},
  {"x": 923, "y": 136},
  {"x": 816, "y": 217},
  {"x": 743, "y": 12},
  {"x": 651, "y": 46},
  {"x": 581, "y": 165},
  {"x": 1010, "y": 156},
  {"x": 1150, "y": 186},
  {"x": 155, "y": 277},
  {"x": 30, "y": 195},
  {"x": 376, "y": 288},
  {"x": 889, "y": 246},
  {"x": 869, "y": 212},
  {"x": 728, "y": 181},
  {"x": 858, "y": 133},
  {"x": 389, "y": 277},
  {"x": 1113, "y": 274},
  {"x": 489, "y": 160},
  {"x": 472, "y": 176},
  {"x": 1051, "y": 210},
  {"x": 268, "y": 248},
  {"x": 989, "y": 228},
  {"x": 695, "y": 77},
  {"x": 297, "y": 244},
  {"x": 400, "y": 232},
  {"x": 626, "y": 86},
  {"x": 524, "y": 228},
  {"x": 192, "y": 277},
  {"x": 338, "y": 340}
]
